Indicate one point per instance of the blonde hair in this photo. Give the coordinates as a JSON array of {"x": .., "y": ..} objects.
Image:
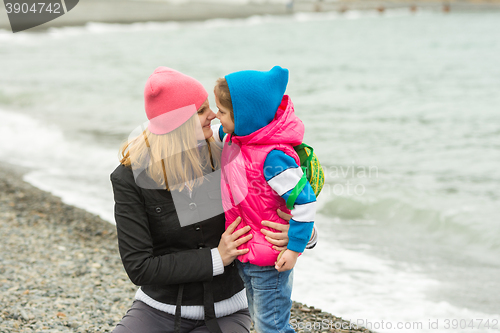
[
  {"x": 221, "y": 90},
  {"x": 176, "y": 152}
]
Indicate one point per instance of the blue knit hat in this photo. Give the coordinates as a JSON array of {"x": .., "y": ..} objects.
[{"x": 256, "y": 97}]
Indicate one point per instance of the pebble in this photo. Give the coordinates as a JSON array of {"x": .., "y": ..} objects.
[{"x": 60, "y": 270}]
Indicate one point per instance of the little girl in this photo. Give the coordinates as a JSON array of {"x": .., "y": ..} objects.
[{"x": 260, "y": 168}]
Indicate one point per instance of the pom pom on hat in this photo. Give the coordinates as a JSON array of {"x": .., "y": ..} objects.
[
  {"x": 170, "y": 99},
  {"x": 256, "y": 97}
]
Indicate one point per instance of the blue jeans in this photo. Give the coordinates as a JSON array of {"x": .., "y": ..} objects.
[{"x": 268, "y": 293}]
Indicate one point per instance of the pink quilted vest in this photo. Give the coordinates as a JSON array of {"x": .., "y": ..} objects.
[{"x": 245, "y": 191}]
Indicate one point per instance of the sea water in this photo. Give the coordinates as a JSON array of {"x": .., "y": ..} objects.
[{"x": 402, "y": 109}]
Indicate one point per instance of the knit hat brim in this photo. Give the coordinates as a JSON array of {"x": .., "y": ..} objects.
[
  {"x": 171, "y": 120},
  {"x": 171, "y": 98}
]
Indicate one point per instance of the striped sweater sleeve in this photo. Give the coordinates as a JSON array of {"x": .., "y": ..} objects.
[
  {"x": 218, "y": 135},
  {"x": 282, "y": 173}
]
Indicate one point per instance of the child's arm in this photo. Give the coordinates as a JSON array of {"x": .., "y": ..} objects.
[
  {"x": 282, "y": 173},
  {"x": 218, "y": 135}
]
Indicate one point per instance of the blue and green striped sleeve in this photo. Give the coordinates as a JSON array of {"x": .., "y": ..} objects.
[{"x": 282, "y": 173}]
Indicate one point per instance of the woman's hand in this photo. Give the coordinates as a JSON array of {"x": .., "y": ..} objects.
[
  {"x": 279, "y": 238},
  {"x": 230, "y": 240}
]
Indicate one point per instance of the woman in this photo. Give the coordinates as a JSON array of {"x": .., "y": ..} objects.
[{"x": 170, "y": 221}]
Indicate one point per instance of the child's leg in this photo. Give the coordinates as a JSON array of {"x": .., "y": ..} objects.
[
  {"x": 248, "y": 286},
  {"x": 269, "y": 299}
]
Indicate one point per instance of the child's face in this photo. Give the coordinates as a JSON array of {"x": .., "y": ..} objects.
[{"x": 224, "y": 116}]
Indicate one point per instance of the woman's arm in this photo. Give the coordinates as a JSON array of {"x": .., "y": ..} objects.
[{"x": 280, "y": 238}]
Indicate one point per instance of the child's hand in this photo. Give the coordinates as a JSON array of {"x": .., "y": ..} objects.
[{"x": 287, "y": 261}]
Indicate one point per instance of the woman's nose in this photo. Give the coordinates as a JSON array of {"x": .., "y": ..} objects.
[{"x": 212, "y": 115}]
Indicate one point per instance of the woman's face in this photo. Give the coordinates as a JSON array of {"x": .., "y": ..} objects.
[{"x": 206, "y": 116}]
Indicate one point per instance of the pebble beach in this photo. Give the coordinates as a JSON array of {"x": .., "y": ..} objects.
[{"x": 60, "y": 270}]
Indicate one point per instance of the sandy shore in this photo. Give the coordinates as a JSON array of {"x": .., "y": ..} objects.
[
  {"x": 130, "y": 11},
  {"x": 60, "y": 270}
]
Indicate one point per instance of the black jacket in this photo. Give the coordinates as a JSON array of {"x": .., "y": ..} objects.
[{"x": 158, "y": 254}]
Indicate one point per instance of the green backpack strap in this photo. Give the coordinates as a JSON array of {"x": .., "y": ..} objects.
[
  {"x": 303, "y": 180},
  {"x": 296, "y": 191},
  {"x": 307, "y": 162}
]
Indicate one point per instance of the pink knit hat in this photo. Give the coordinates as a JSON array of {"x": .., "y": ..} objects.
[{"x": 170, "y": 99}]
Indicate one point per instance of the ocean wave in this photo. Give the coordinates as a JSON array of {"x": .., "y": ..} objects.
[
  {"x": 456, "y": 225},
  {"x": 103, "y": 28},
  {"x": 75, "y": 171},
  {"x": 362, "y": 287}
]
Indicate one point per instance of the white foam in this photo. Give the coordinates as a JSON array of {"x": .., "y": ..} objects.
[
  {"x": 103, "y": 28},
  {"x": 77, "y": 173}
]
